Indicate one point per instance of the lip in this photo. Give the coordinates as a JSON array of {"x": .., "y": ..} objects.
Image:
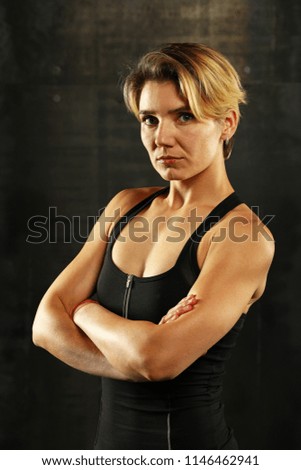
[{"x": 168, "y": 159}]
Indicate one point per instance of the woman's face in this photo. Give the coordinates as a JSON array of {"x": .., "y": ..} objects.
[{"x": 179, "y": 145}]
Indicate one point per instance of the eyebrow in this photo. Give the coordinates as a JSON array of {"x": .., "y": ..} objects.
[{"x": 183, "y": 109}]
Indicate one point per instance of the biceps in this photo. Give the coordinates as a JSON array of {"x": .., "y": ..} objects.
[{"x": 232, "y": 273}]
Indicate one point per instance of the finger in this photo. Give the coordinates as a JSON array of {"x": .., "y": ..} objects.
[
  {"x": 176, "y": 312},
  {"x": 180, "y": 308},
  {"x": 181, "y": 311},
  {"x": 190, "y": 300},
  {"x": 184, "y": 308},
  {"x": 185, "y": 299}
]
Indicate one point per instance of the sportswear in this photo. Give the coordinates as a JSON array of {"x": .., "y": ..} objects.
[{"x": 183, "y": 413}]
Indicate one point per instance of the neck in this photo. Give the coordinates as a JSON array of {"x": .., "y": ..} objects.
[{"x": 208, "y": 187}]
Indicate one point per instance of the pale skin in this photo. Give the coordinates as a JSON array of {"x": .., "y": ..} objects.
[{"x": 189, "y": 154}]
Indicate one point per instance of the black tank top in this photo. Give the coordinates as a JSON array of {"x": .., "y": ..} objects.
[{"x": 183, "y": 413}]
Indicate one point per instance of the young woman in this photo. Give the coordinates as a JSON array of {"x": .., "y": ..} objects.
[{"x": 175, "y": 268}]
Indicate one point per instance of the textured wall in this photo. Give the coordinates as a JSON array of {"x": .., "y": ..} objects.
[{"x": 67, "y": 142}]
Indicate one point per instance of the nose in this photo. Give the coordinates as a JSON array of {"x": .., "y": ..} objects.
[{"x": 165, "y": 135}]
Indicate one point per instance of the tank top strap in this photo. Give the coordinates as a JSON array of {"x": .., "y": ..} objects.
[
  {"x": 124, "y": 220},
  {"x": 225, "y": 206},
  {"x": 189, "y": 252}
]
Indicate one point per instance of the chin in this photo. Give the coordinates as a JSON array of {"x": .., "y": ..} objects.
[
  {"x": 174, "y": 175},
  {"x": 172, "y": 178},
  {"x": 170, "y": 174}
]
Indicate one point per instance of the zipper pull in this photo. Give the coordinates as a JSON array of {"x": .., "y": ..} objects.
[
  {"x": 129, "y": 280},
  {"x": 127, "y": 294}
]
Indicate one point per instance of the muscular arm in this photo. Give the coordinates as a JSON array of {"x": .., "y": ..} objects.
[
  {"x": 232, "y": 275},
  {"x": 53, "y": 328},
  {"x": 63, "y": 339}
]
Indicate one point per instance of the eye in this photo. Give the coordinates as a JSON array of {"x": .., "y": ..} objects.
[
  {"x": 149, "y": 120},
  {"x": 186, "y": 117}
]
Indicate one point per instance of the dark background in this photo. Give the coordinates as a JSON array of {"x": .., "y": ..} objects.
[{"x": 68, "y": 143}]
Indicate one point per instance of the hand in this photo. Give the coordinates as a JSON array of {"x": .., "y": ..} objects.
[{"x": 185, "y": 305}]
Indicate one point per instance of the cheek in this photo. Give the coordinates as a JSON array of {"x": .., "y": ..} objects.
[
  {"x": 146, "y": 139},
  {"x": 204, "y": 139}
]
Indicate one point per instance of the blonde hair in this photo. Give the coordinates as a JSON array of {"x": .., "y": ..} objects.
[{"x": 203, "y": 76}]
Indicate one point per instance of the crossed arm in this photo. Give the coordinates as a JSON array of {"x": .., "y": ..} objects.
[
  {"x": 100, "y": 342},
  {"x": 223, "y": 290},
  {"x": 55, "y": 331}
]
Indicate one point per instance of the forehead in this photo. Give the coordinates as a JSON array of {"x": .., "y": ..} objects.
[{"x": 161, "y": 95}]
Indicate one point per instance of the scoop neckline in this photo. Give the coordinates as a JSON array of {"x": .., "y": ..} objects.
[
  {"x": 158, "y": 276},
  {"x": 154, "y": 277}
]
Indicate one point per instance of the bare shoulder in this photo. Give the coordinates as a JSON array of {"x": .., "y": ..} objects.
[
  {"x": 120, "y": 204},
  {"x": 246, "y": 236},
  {"x": 240, "y": 253},
  {"x": 127, "y": 198},
  {"x": 251, "y": 226}
]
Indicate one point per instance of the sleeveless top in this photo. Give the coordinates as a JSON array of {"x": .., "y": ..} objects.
[{"x": 182, "y": 413}]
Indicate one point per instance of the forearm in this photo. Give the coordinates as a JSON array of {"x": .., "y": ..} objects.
[
  {"x": 139, "y": 349},
  {"x": 120, "y": 340},
  {"x": 54, "y": 331}
]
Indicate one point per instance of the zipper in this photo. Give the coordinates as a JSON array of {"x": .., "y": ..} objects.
[
  {"x": 127, "y": 294},
  {"x": 168, "y": 432}
]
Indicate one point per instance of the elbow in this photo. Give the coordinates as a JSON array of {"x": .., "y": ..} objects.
[
  {"x": 159, "y": 375},
  {"x": 154, "y": 357},
  {"x": 158, "y": 372},
  {"x": 155, "y": 366},
  {"x": 158, "y": 362},
  {"x": 38, "y": 334},
  {"x": 45, "y": 324},
  {"x": 43, "y": 337},
  {"x": 41, "y": 329}
]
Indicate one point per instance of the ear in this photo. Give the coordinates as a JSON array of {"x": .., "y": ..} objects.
[{"x": 230, "y": 123}]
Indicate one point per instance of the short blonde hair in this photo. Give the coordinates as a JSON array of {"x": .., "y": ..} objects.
[{"x": 203, "y": 76}]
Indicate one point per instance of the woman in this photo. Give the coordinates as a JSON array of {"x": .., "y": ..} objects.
[{"x": 169, "y": 308}]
